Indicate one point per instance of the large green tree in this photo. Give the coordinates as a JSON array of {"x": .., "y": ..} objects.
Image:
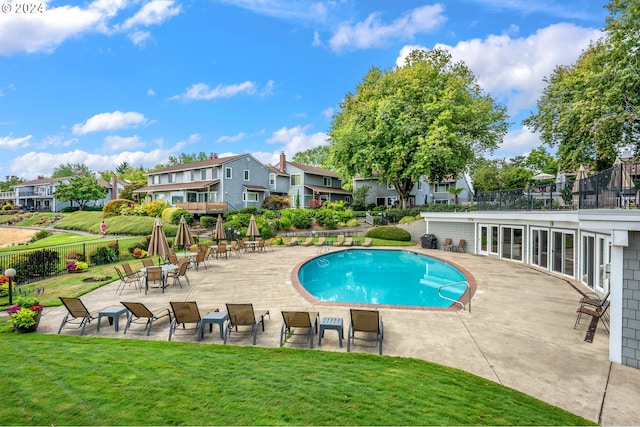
[
  {"x": 499, "y": 174},
  {"x": 81, "y": 189},
  {"x": 589, "y": 110},
  {"x": 10, "y": 180},
  {"x": 71, "y": 169},
  {"x": 428, "y": 117},
  {"x": 318, "y": 156}
]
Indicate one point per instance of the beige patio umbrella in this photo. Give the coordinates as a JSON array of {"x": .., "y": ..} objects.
[
  {"x": 620, "y": 177},
  {"x": 252, "y": 230},
  {"x": 575, "y": 190},
  {"x": 220, "y": 234},
  {"x": 158, "y": 244},
  {"x": 183, "y": 237}
]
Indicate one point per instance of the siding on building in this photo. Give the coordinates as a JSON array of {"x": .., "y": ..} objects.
[
  {"x": 455, "y": 231},
  {"x": 631, "y": 302}
]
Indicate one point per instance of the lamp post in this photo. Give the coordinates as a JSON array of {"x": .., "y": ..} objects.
[{"x": 10, "y": 272}]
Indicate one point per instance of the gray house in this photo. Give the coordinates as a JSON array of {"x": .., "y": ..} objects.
[
  {"x": 423, "y": 192},
  {"x": 211, "y": 186}
]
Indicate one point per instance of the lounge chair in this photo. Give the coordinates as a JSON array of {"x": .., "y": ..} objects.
[
  {"x": 320, "y": 241},
  {"x": 459, "y": 247},
  {"x": 307, "y": 242},
  {"x": 127, "y": 280},
  {"x": 596, "y": 313},
  {"x": 139, "y": 313},
  {"x": 592, "y": 301},
  {"x": 447, "y": 244},
  {"x": 348, "y": 241},
  {"x": 368, "y": 325},
  {"x": 307, "y": 321},
  {"x": 339, "y": 241},
  {"x": 242, "y": 315},
  {"x": 293, "y": 242},
  {"x": 184, "y": 312},
  {"x": 367, "y": 241},
  {"x": 77, "y": 315}
]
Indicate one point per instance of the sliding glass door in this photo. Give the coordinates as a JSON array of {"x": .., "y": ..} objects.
[
  {"x": 540, "y": 248},
  {"x": 562, "y": 250}
]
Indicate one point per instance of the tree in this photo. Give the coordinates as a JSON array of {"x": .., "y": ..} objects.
[
  {"x": 539, "y": 160},
  {"x": 428, "y": 117},
  {"x": 80, "y": 189},
  {"x": 127, "y": 191},
  {"x": 10, "y": 180},
  {"x": 589, "y": 110},
  {"x": 318, "y": 156},
  {"x": 71, "y": 169},
  {"x": 493, "y": 175},
  {"x": 456, "y": 193}
]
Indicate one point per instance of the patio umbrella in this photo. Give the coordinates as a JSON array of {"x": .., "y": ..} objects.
[
  {"x": 542, "y": 176},
  {"x": 575, "y": 190},
  {"x": 253, "y": 228},
  {"x": 158, "y": 244},
  {"x": 620, "y": 177},
  {"x": 220, "y": 234},
  {"x": 183, "y": 237}
]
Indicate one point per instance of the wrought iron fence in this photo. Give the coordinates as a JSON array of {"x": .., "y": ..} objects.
[
  {"x": 612, "y": 188},
  {"x": 38, "y": 264}
]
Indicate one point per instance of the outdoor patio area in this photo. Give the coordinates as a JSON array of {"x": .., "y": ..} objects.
[{"x": 519, "y": 332}]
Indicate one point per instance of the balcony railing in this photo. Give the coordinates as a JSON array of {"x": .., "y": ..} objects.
[{"x": 203, "y": 207}]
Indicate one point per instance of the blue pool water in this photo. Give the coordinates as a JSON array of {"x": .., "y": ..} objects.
[{"x": 392, "y": 277}]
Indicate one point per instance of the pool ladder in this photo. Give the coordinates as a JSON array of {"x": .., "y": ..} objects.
[{"x": 467, "y": 289}]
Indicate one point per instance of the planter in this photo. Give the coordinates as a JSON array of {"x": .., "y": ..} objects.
[
  {"x": 75, "y": 270},
  {"x": 30, "y": 329}
]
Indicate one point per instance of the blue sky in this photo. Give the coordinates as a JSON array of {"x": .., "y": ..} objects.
[{"x": 109, "y": 81}]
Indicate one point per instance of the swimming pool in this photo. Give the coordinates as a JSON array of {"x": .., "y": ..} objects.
[{"x": 381, "y": 277}]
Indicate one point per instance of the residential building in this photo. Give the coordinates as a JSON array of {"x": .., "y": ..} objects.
[{"x": 211, "y": 186}]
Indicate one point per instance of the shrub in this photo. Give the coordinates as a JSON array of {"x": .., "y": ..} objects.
[
  {"x": 75, "y": 255},
  {"x": 389, "y": 232},
  {"x": 113, "y": 207},
  {"x": 315, "y": 204},
  {"x": 407, "y": 219},
  {"x": 36, "y": 264},
  {"x": 41, "y": 235},
  {"x": 103, "y": 255},
  {"x": 353, "y": 223},
  {"x": 208, "y": 221},
  {"x": 172, "y": 215},
  {"x": 275, "y": 202},
  {"x": 249, "y": 210},
  {"x": 155, "y": 208},
  {"x": 142, "y": 244},
  {"x": 70, "y": 209}
]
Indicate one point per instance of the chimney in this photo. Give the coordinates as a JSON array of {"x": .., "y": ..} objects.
[
  {"x": 283, "y": 161},
  {"x": 213, "y": 156},
  {"x": 40, "y": 177}
]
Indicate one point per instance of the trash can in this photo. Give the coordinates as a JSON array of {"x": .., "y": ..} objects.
[{"x": 429, "y": 241}]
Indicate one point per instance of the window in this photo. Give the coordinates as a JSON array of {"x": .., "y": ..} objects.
[
  {"x": 213, "y": 197},
  {"x": 326, "y": 181},
  {"x": 170, "y": 178},
  {"x": 442, "y": 187},
  {"x": 441, "y": 201},
  {"x": 192, "y": 176},
  {"x": 562, "y": 249},
  {"x": 540, "y": 248},
  {"x": 512, "y": 243},
  {"x": 250, "y": 197},
  {"x": 296, "y": 179},
  {"x": 390, "y": 186},
  {"x": 227, "y": 173},
  {"x": 419, "y": 186},
  {"x": 245, "y": 175},
  {"x": 347, "y": 199},
  {"x": 192, "y": 197},
  {"x": 203, "y": 175},
  {"x": 272, "y": 179},
  {"x": 176, "y": 199}
]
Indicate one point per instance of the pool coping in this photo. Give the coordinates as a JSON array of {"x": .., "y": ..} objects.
[{"x": 464, "y": 299}]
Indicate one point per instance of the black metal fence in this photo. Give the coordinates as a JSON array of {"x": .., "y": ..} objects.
[
  {"x": 612, "y": 188},
  {"x": 42, "y": 263}
]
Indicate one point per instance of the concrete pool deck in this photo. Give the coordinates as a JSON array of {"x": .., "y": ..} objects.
[{"x": 519, "y": 332}]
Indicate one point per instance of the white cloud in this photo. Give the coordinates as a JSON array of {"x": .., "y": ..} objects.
[
  {"x": 232, "y": 138},
  {"x": 57, "y": 141},
  {"x": 14, "y": 143},
  {"x": 109, "y": 121},
  {"x": 139, "y": 38},
  {"x": 517, "y": 142},
  {"x": 293, "y": 140},
  {"x": 512, "y": 69},
  {"x": 153, "y": 13},
  {"x": 114, "y": 143},
  {"x": 372, "y": 32},
  {"x": 285, "y": 9},
  {"x": 202, "y": 91},
  {"x": 328, "y": 112},
  {"x": 151, "y": 92}
]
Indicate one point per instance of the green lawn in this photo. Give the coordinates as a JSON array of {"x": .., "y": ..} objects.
[{"x": 70, "y": 380}]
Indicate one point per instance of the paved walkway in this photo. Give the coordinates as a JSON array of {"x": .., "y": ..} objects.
[{"x": 519, "y": 332}]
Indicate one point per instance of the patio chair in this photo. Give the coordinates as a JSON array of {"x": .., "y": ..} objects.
[
  {"x": 307, "y": 242},
  {"x": 367, "y": 241},
  {"x": 183, "y": 266},
  {"x": 348, "y": 241},
  {"x": 147, "y": 262},
  {"x": 368, "y": 325},
  {"x": 592, "y": 301},
  {"x": 339, "y": 241},
  {"x": 320, "y": 241},
  {"x": 304, "y": 320},
  {"x": 243, "y": 316},
  {"x": 154, "y": 274},
  {"x": 77, "y": 315},
  {"x": 184, "y": 312},
  {"x": 459, "y": 247},
  {"x": 129, "y": 271},
  {"x": 139, "y": 313},
  {"x": 127, "y": 280},
  {"x": 222, "y": 250},
  {"x": 173, "y": 259},
  {"x": 268, "y": 245},
  {"x": 261, "y": 245},
  {"x": 201, "y": 259},
  {"x": 597, "y": 313},
  {"x": 447, "y": 244}
]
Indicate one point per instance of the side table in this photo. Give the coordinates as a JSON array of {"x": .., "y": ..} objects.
[
  {"x": 113, "y": 314},
  {"x": 218, "y": 317},
  {"x": 334, "y": 323}
]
